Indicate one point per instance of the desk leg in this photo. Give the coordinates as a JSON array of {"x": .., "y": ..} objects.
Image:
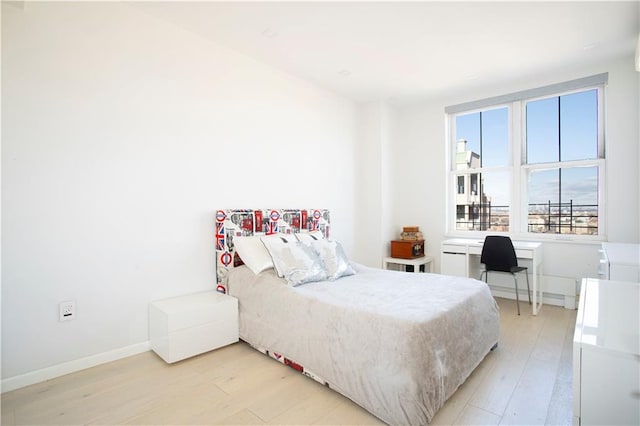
[{"x": 537, "y": 287}]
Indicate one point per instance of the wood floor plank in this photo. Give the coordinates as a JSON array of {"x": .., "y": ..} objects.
[
  {"x": 189, "y": 410},
  {"x": 454, "y": 407},
  {"x": 106, "y": 374},
  {"x": 244, "y": 417},
  {"x": 111, "y": 404},
  {"x": 495, "y": 391},
  {"x": 93, "y": 398},
  {"x": 552, "y": 335},
  {"x": 348, "y": 413},
  {"x": 562, "y": 396},
  {"x": 176, "y": 404},
  {"x": 311, "y": 409},
  {"x": 8, "y": 416},
  {"x": 259, "y": 373},
  {"x": 530, "y": 400},
  {"x": 476, "y": 416},
  {"x": 281, "y": 396}
]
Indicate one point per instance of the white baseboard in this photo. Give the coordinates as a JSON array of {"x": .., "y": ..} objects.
[
  {"x": 37, "y": 376},
  {"x": 558, "y": 291},
  {"x": 547, "y": 299}
]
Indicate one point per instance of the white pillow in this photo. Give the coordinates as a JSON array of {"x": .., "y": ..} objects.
[
  {"x": 274, "y": 239},
  {"x": 253, "y": 253},
  {"x": 307, "y": 237},
  {"x": 334, "y": 258},
  {"x": 296, "y": 262}
]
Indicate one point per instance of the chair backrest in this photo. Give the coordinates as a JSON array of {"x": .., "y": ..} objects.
[{"x": 498, "y": 253}]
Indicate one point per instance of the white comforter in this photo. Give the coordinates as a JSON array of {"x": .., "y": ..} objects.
[{"x": 398, "y": 344}]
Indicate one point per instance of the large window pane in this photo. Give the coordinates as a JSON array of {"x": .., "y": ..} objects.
[
  {"x": 543, "y": 145},
  {"x": 487, "y": 207},
  {"x": 580, "y": 190},
  {"x": 544, "y": 187},
  {"x": 564, "y": 201},
  {"x": 563, "y": 128},
  {"x": 579, "y": 126},
  {"x": 468, "y": 129},
  {"x": 483, "y": 138},
  {"x": 495, "y": 137}
]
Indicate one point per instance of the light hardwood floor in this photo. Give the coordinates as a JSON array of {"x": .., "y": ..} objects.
[{"x": 527, "y": 380}]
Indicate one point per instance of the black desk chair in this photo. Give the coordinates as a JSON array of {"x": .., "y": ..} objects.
[{"x": 498, "y": 255}]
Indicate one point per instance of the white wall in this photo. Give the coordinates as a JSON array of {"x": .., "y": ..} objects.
[
  {"x": 375, "y": 182},
  {"x": 121, "y": 136},
  {"x": 420, "y": 173},
  {"x": 420, "y": 144}
]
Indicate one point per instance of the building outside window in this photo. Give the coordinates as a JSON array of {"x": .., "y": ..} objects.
[{"x": 530, "y": 162}]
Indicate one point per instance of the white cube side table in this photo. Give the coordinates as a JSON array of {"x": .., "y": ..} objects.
[
  {"x": 184, "y": 326},
  {"x": 425, "y": 260}
]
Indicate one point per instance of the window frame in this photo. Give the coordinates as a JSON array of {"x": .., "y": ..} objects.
[{"x": 517, "y": 167}]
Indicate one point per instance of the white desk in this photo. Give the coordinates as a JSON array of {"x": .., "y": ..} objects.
[
  {"x": 456, "y": 255},
  {"x": 425, "y": 260}
]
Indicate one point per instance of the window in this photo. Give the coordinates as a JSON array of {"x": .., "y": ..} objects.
[
  {"x": 533, "y": 161},
  {"x": 482, "y": 156},
  {"x": 562, "y": 143},
  {"x": 460, "y": 184}
]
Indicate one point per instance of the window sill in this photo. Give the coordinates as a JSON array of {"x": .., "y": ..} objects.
[{"x": 555, "y": 239}]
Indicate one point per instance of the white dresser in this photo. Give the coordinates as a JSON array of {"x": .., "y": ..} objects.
[
  {"x": 606, "y": 354},
  {"x": 620, "y": 262}
]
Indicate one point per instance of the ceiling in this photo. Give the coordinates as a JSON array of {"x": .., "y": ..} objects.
[{"x": 398, "y": 51}]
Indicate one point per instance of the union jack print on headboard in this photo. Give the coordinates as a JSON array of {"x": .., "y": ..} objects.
[{"x": 239, "y": 222}]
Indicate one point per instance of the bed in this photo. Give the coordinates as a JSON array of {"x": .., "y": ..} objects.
[{"x": 395, "y": 343}]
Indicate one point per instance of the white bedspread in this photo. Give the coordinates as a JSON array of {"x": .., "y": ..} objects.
[{"x": 398, "y": 344}]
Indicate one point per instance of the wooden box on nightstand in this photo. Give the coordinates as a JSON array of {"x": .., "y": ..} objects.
[
  {"x": 407, "y": 249},
  {"x": 185, "y": 326}
]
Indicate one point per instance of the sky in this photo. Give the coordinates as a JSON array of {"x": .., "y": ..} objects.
[{"x": 547, "y": 141}]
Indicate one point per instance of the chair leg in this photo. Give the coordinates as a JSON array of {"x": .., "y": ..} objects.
[
  {"x": 487, "y": 275},
  {"x": 528, "y": 290},
  {"x": 517, "y": 296}
]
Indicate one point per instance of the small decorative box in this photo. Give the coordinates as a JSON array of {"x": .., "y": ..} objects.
[{"x": 406, "y": 249}]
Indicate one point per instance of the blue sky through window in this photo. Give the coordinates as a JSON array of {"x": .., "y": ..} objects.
[
  {"x": 495, "y": 135},
  {"x": 570, "y": 135},
  {"x": 579, "y": 185}
]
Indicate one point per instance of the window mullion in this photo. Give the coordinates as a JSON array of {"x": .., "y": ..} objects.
[
  {"x": 517, "y": 148},
  {"x": 601, "y": 141},
  {"x": 564, "y": 165}
]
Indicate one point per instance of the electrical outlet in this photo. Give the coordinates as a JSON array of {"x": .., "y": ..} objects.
[{"x": 67, "y": 310}]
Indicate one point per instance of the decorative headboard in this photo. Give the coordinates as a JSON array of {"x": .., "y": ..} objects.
[{"x": 238, "y": 222}]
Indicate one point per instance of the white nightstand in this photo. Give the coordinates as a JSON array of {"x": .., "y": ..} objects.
[
  {"x": 189, "y": 325},
  {"x": 416, "y": 263}
]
